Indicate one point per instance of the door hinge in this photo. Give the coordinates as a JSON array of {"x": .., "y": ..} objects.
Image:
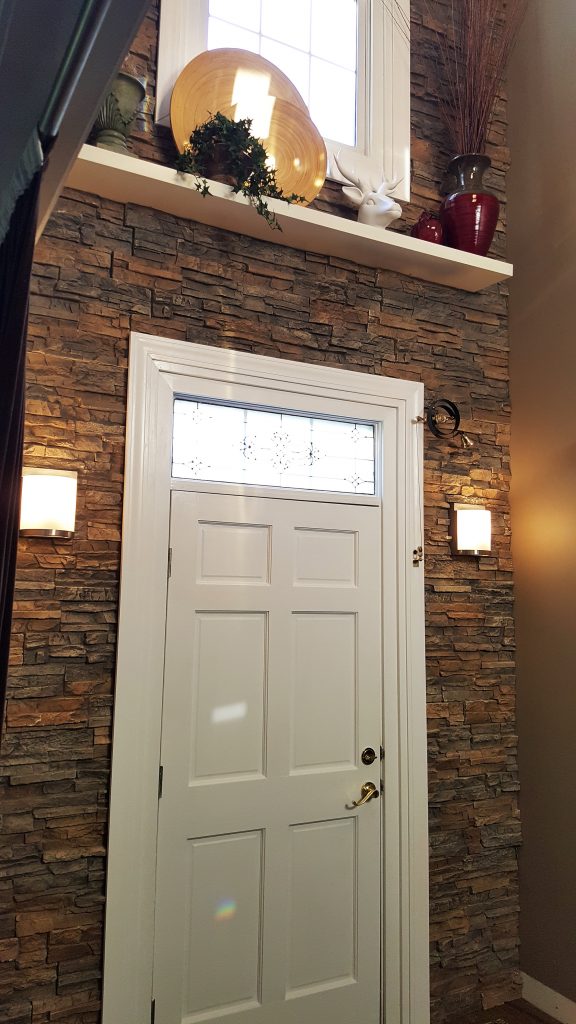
[
  {"x": 169, "y": 562},
  {"x": 417, "y": 556},
  {"x": 153, "y": 1011},
  {"x": 160, "y": 780},
  {"x": 381, "y": 753}
]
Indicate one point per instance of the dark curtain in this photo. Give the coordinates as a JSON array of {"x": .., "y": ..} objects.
[{"x": 15, "y": 267}]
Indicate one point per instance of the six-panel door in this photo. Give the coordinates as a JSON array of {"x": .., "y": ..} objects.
[{"x": 268, "y": 879}]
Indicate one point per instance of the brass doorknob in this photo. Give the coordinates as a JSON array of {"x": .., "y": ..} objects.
[{"x": 368, "y": 791}]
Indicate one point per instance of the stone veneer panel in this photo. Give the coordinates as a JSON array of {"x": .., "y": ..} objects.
[{"x": 102, "y": 270}]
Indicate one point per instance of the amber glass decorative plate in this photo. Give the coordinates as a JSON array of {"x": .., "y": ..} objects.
[{"x": 239, "y": 83}]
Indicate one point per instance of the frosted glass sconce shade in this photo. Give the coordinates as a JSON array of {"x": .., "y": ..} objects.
[
  {"x": 48, "y": 507},
  {"x": 471, "y": 530}
]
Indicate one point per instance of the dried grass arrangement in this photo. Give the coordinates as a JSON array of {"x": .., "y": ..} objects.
[{"x": 473, "y": 55}]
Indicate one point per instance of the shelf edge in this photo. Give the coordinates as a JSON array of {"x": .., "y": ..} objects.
[{"x": 128, "y": 179}]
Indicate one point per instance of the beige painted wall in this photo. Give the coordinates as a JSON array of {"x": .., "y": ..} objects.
[{"x": 542, "y": 232}]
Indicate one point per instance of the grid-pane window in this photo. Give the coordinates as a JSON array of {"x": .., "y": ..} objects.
[
  {"x": 314, "y": 42},
  {"x": 264, "y": 447}
]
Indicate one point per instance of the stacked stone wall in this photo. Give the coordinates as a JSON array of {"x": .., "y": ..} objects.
[{"x": 103, "y": 269}]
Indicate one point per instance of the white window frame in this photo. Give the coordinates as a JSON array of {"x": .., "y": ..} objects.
[
  {"x": 383, "y": 125},
  {"x": 161, "y": 369}
]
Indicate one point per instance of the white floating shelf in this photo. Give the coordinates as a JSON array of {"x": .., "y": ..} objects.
[{"x": 128, "y": 180}]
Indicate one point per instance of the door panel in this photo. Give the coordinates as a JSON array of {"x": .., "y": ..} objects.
[
  {"x": 229, "y": 694},
  {"x": 324, "y": 685},
  {"x": 325, "y": 557},
  {"x": 238, "y": 553},
  {"x": 226, "y": 929},
  {"x": 323, "y": 859},
  {"x": 268, "y": 878}
]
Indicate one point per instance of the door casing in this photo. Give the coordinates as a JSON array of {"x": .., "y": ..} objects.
[{"x": 159, "y": 370}]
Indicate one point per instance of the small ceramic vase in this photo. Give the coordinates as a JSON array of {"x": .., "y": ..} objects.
[{"x": 428, "y": 228}]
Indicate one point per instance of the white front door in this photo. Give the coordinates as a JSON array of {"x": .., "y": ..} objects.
[{"x": 268, "y": 896}]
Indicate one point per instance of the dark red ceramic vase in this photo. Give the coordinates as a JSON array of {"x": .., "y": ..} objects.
[{"x": 470, "y": 213}]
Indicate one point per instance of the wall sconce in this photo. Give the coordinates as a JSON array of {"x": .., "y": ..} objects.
[
  {"x": 470, "y": 530},
  {"x": 48, "y": 507}
]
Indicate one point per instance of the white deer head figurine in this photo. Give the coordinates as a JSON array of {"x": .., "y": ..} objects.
[{"x": 370, "y": 194}]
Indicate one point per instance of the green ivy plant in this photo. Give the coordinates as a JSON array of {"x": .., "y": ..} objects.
[{"x": 241, "y": 158}]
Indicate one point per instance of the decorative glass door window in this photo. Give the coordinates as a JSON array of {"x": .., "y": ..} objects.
[
  {"x": 262, "y": 447},
  {"x": 314, "y": 42}
]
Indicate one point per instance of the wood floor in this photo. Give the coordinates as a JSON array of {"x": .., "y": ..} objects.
[{"x": 518, "y": 1012}]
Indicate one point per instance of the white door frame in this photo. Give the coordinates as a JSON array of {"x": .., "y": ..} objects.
[{"x": 159, "y": 369}]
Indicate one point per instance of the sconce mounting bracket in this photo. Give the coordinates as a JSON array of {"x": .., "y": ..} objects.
[{"x": 443, "y": 418}]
